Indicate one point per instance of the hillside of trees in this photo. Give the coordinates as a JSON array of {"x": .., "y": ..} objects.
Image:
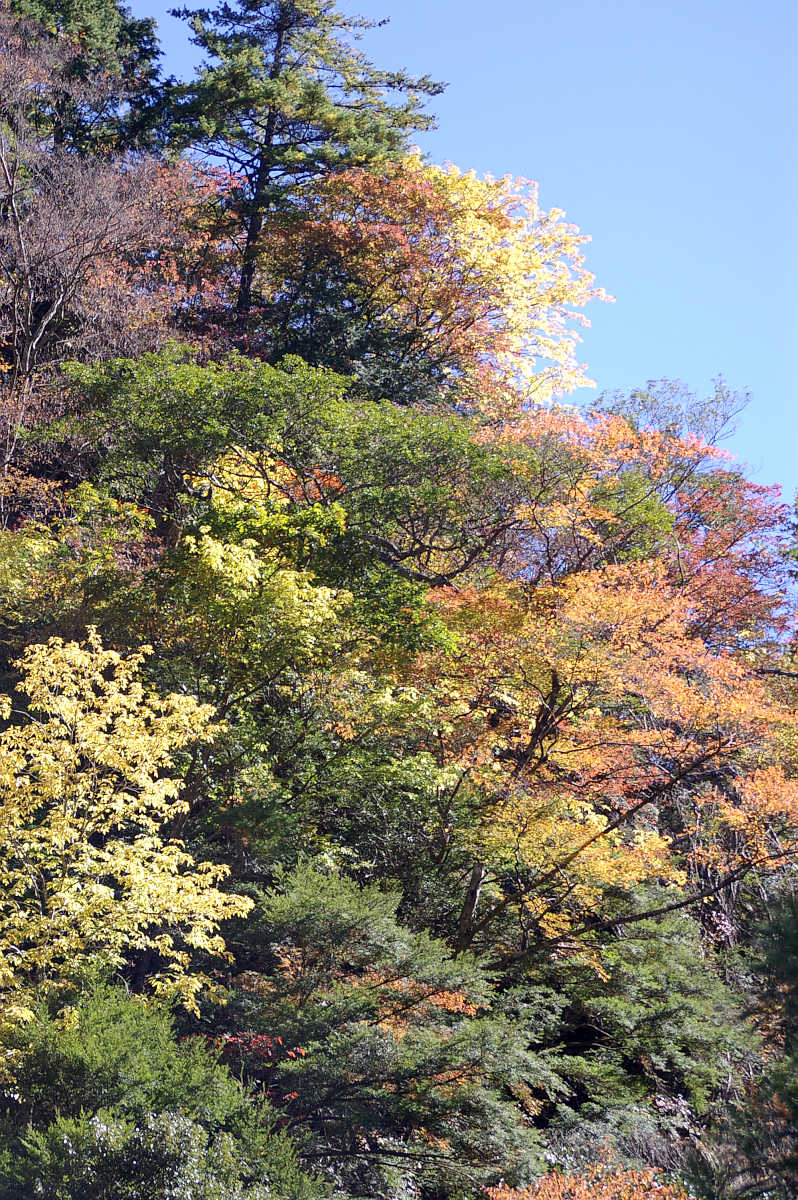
[{"x": 398, "y": 764}]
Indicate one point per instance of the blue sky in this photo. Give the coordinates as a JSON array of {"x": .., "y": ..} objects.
[{"x": 668, "y": 131}]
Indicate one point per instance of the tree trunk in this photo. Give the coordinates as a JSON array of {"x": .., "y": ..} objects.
[
  {"x": 256, "y": 213},
  {"x": 465, "y": 926},
  {"x": 254, "y": 227}
]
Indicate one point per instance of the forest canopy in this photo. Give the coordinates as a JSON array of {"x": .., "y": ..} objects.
[{"x": 398, "y": 762}]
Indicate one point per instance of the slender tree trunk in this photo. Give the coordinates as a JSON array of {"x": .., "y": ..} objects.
[
  {"x": 256, "y": 214},
  {"x": 163, "y": 502},
  {"x": 254, "y": 226},
  {"x": 465, "y": 926}
]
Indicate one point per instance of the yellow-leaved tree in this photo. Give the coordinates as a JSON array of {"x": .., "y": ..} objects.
[
  {"x": 439, "y": 275},
  {"x": 86, "y": 789}
]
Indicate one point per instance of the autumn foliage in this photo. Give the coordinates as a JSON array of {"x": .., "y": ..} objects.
[
  {"x": 600, "y": 1183},
  {"x": 466, "y": 283},
  {"x": 398, "y": 763}
]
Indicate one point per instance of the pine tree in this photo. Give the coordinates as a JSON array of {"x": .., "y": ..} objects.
[{"x": 287, "y": 96}]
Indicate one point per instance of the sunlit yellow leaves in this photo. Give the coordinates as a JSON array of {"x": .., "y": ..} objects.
[
  {"x": 472, "y": 269},
  {"x": 234, "y": 565},
  {"x": 87, "y": 786},
  {"x": 528, "y": 265},
  {"x": 234, "y": 602}
]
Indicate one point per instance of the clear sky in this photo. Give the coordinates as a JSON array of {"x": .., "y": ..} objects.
[{"x": 668, "y": 131}]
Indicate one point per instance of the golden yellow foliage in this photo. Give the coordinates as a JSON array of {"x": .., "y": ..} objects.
[{"x": 87, "y": 786}]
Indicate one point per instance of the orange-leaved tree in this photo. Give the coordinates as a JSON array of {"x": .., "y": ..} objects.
[
  {"x": 422, "y": 280},
  {"x": 602, "y": 1182}
]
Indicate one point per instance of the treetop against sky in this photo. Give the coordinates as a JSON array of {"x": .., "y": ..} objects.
[{"x": 666, "y": 131}]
